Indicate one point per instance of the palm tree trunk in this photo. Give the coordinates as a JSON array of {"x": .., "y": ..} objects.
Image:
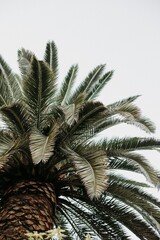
[{"x": 26, "y": 207}]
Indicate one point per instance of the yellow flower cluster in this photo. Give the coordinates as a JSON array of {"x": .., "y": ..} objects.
[{"x": 56, "y": 233}]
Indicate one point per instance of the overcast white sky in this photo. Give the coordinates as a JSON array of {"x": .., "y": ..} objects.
[{"x": 124, "y": 34}]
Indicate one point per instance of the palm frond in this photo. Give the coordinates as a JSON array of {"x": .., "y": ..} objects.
[
  {"x": 66, "y": 87},
  {"x": 124, "y": 164},
  {"x": 99, "y": 85},
  {"x": 42, "y": 146},
  {"x": 76, "y": 230},
  {"x": 91, "y": 166},
  {"x": 69, "y": 111},
  {"x": 14, "y": 146},
  {"x": 91, "y": 79},
  {"x": 131, "y": 113},
  {"x": 139, "y": 190},
  {"x": 128, "y": 216},
  {"x": 135, "y": 193},
  {"x": 63, "y": 224},
  {"x": 90, "y": 112},
  {"x": 144, "y": 166},
  {"x": 39, "y": 90},
  {"x": 51, "y": 58},
  {"x": 115, "y": 146},
  {"x": 88, "y": 215},
  {"x": 124, "y": 103},
  {"x": 16, "y": 118},
  {"x": 9, "y": 85}
]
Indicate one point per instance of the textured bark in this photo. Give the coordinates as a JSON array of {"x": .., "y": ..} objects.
[{"x": 26, "y": 207}]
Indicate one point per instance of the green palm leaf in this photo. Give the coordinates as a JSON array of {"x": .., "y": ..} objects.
[
  {"x": 87, "y": 215},
  {"x": 99, "y": 85},
  {"x": 42, "y": 146},
  {"x": 9, "y": 85},
  {"x": 144, "y": 166},
  {"x": 128, "y": 216},
  {"x": 91, "y": 111},
  {"x": 39, "y": 90},
  {"x": 140, "y": 190},
  {"x": 16, "y": 118},
  {"x": 132, "y": 113},
  {"x": 91, "y": 166},
  {"x": 66, "y": 86},
  {"x": 135, "y": 194},
  {"x": 50, "y": 57},
  {"x": 91, "y": 79},
  {"x": 117, "y": 145}
]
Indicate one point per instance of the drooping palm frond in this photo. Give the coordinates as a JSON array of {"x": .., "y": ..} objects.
[
  {"x": 119, "y": 212},
  {"x": 132, "y": 113},
  {"x": 143, "y": 165},
  {"x": 42, "y": 146},
  {"x": 50, "y": 136},
  {"x": 134, "y": 192},
  {"x": 90, "y": 221},
  {"x": 91, "y": 165}
]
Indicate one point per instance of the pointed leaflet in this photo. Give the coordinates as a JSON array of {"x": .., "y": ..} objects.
[
  {"x": 39, "y": 90},
  {"x": 91, "y": 79},
  {"x": 10, "y": 89},
  {"x": 123, "y": 102},
  {"x": 128, "y": 214},
  {"x": 132, "y": 113},
  {"x": 125, "y": 108},
  {"x": 106, "y": 122},
  {"x": 144, "y": 166},
  {"x": 90, "y": 163},
  {"x": 135, "y": 192},
  {"x": 42, "y": 146},
  {"x": 116, "y": 146},
  {"x": 51, "y": 57},
  {"x": 92, "y": 219},
  {"x": 67, "y": 84},
  {"x": 98, "y": 86}
]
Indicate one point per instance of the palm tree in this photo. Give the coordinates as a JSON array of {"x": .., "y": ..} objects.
[{"x": 53, "y": 169}]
